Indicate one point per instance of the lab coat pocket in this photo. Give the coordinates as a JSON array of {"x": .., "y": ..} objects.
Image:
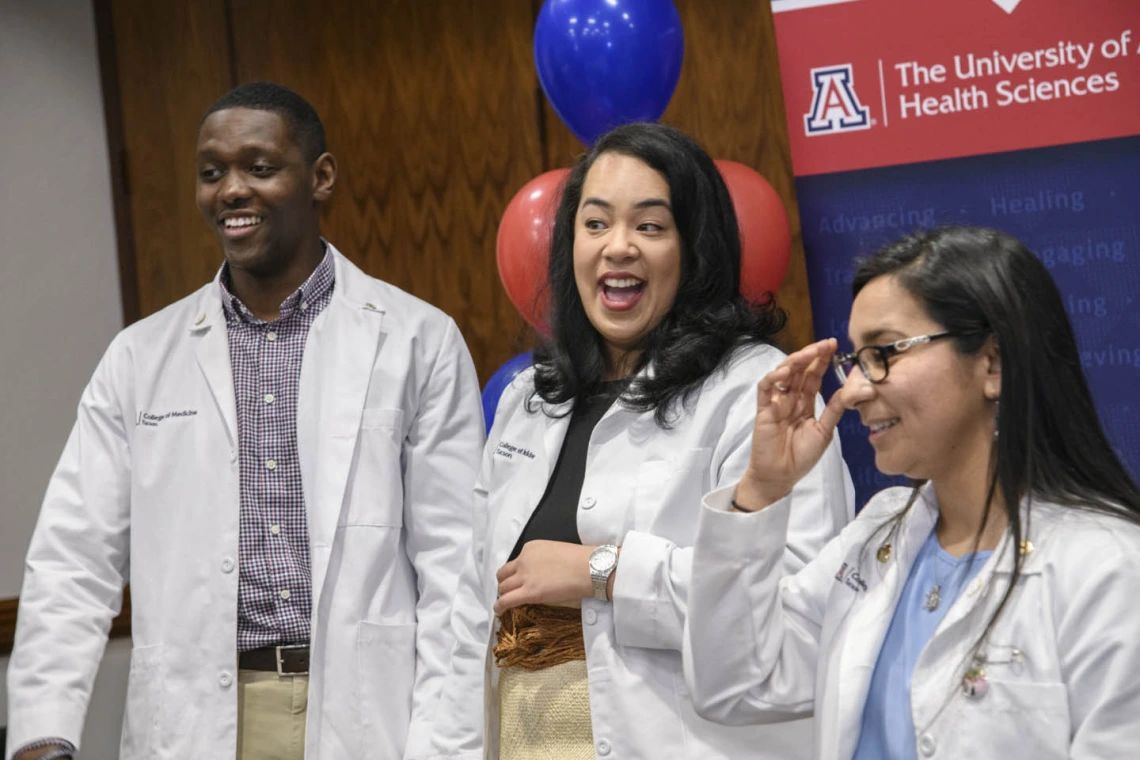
[
  {"x": 386, "y": 673},
  {"x": 1017, "y": 719},
  {"x": 664, "y": 485},
  {"x": 144, "y": 704},
  {"x": 376, "y": 485}
]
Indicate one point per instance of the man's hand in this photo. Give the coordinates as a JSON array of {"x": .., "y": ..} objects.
[{"x": 38, "y": 752}]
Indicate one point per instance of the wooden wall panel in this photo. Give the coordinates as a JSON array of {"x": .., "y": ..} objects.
[
  {"x": 429, "y": 106},
  {"x": 729, "y": 98},
  {"x": 120, "y": 626},
  {"x": 434, "y": 111},
  {"x": 173, "y": 62}
]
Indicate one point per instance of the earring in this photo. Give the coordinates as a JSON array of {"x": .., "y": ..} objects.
[{"x": 997, "y": 417}]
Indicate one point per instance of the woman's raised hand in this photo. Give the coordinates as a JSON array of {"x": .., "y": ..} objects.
[{"x": 787, "y": 439}]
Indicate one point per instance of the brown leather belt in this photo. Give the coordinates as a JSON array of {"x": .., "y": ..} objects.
[{"x": 287, "y": 660}]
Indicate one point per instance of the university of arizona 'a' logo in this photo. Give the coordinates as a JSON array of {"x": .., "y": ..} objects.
[{"x": 834, "y": 106}]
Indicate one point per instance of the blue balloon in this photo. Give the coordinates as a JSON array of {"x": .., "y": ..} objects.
[
  {"x": 499, "y": 382},
  {"x": 603, "y": 63}
]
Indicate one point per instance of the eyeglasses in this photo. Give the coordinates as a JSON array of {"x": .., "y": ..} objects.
[{"x": 873, "y": 360}]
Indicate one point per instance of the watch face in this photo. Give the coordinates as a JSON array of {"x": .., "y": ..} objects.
[{"x": 601, "y": 561}]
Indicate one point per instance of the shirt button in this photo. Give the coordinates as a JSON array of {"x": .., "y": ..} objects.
[
  {"x": 591, "y": 617},
  {"x": 305, "y": 306},
  {"x": 271, "y": 464},
  {"x": 271, "y": 336},
  {"x": 284, "y": 594},
  {"x": 270, "y": 398},
  {"x": 227, "y": 565},
  {"x": 275, "y": 529},
  {"x": 927, "y": 745},
  {"x": 603, "y": 747},
  {"x": 225, "y": 678},
  {"x": 589, "y": 502}
]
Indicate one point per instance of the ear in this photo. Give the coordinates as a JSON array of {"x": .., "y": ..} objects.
[
  {"x": 324, "y": 177},
  {"x": 990, "y": 365}
]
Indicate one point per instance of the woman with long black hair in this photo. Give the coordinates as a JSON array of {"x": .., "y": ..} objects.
[
  {"x": 570, "y": 615},
  {"x": 987, "y": 612}
]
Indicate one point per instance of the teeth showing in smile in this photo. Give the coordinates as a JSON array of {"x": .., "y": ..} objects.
[
  {"x": 879, "y": 427},
  {"x": 237, "y": 222},
  {"x": 625, "y": 282}
]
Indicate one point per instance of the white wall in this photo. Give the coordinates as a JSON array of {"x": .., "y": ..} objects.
[
  {"x": 105, "y": 714},
  {"x": 59, "y": 288},
  {"x": 59, "y": 284}
]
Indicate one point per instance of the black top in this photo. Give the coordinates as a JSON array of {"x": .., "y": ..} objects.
[{"x": 556, "y": 516}]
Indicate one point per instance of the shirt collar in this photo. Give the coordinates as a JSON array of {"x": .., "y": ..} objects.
[{"x": 320, "y": 281}]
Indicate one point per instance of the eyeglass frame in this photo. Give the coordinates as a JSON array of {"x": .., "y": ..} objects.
[{"x": 885, "y": 352}]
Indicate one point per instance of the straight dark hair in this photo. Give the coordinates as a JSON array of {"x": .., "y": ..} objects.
[
  {"x": 1050, "y": 446},
  {"x": 708, "y": 319}
]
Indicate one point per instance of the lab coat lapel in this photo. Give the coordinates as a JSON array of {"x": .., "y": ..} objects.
[
  {"x": 212, "y": 350},
  {"x": 868, "y": 622},
  {"x": 335, "y": 375}
]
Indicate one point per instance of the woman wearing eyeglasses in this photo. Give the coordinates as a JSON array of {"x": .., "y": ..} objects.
[{"x": 988, "y": 612}]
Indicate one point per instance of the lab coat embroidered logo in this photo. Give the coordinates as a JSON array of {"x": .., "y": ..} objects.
[
  {"x": 850, "y": 577},
  {"x": 146, "y": 419},
  {"x": 510, "y": 451}
]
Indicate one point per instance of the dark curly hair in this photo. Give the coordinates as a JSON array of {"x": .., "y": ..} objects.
[{"x": 709, "y": 318}]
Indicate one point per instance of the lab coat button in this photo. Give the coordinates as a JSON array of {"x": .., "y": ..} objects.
[
  {"x": 603, "y": 747},
  {"x": 589, "y": 502},
  {"x": 225, "y": 679},
  {"x": 591, "y": 617},
  {"x": 927, "y": 745},
  {"x": 227, "y": 565}
]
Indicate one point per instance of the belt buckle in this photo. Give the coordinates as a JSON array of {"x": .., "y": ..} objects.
[{"x": 280, "y": 662}]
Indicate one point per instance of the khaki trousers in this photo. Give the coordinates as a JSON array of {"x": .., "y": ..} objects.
[{"x": 271, "y": 715}]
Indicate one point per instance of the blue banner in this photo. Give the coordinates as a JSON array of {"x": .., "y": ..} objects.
[{"x": 1076, "y": 206}]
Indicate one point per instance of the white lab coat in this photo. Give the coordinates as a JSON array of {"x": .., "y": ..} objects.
[
  {"x": 389, "y": 431},
  {"x": 642, "y": 491},
  {"x": 761, "y": 648}
]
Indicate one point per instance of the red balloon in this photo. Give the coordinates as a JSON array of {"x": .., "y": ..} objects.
[
  {"x": 765, "y": 237},
  {"x": 523, "y": 245}
]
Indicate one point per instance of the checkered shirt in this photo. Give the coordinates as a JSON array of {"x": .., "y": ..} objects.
[{"x": 274, "y": 571}]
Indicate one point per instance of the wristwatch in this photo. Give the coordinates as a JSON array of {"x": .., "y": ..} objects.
[{"x": 603, "y": 561}]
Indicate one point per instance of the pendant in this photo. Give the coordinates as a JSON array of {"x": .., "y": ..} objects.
[
  {"x": 933, "y": 598},
  {"x": 974, "y": 682},
  {"x": 884, "y": 553}
]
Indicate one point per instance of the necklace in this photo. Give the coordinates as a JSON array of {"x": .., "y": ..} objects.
[{"x": 934, "y": 596}]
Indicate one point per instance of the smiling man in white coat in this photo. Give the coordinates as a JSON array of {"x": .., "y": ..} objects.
[{"x": 280, "y": 465}]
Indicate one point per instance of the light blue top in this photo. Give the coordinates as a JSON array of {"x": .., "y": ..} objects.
[{"x": 888, "y": 729}]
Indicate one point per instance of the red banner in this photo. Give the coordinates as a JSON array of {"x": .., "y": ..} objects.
[{"x": 879, "y": 82}]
